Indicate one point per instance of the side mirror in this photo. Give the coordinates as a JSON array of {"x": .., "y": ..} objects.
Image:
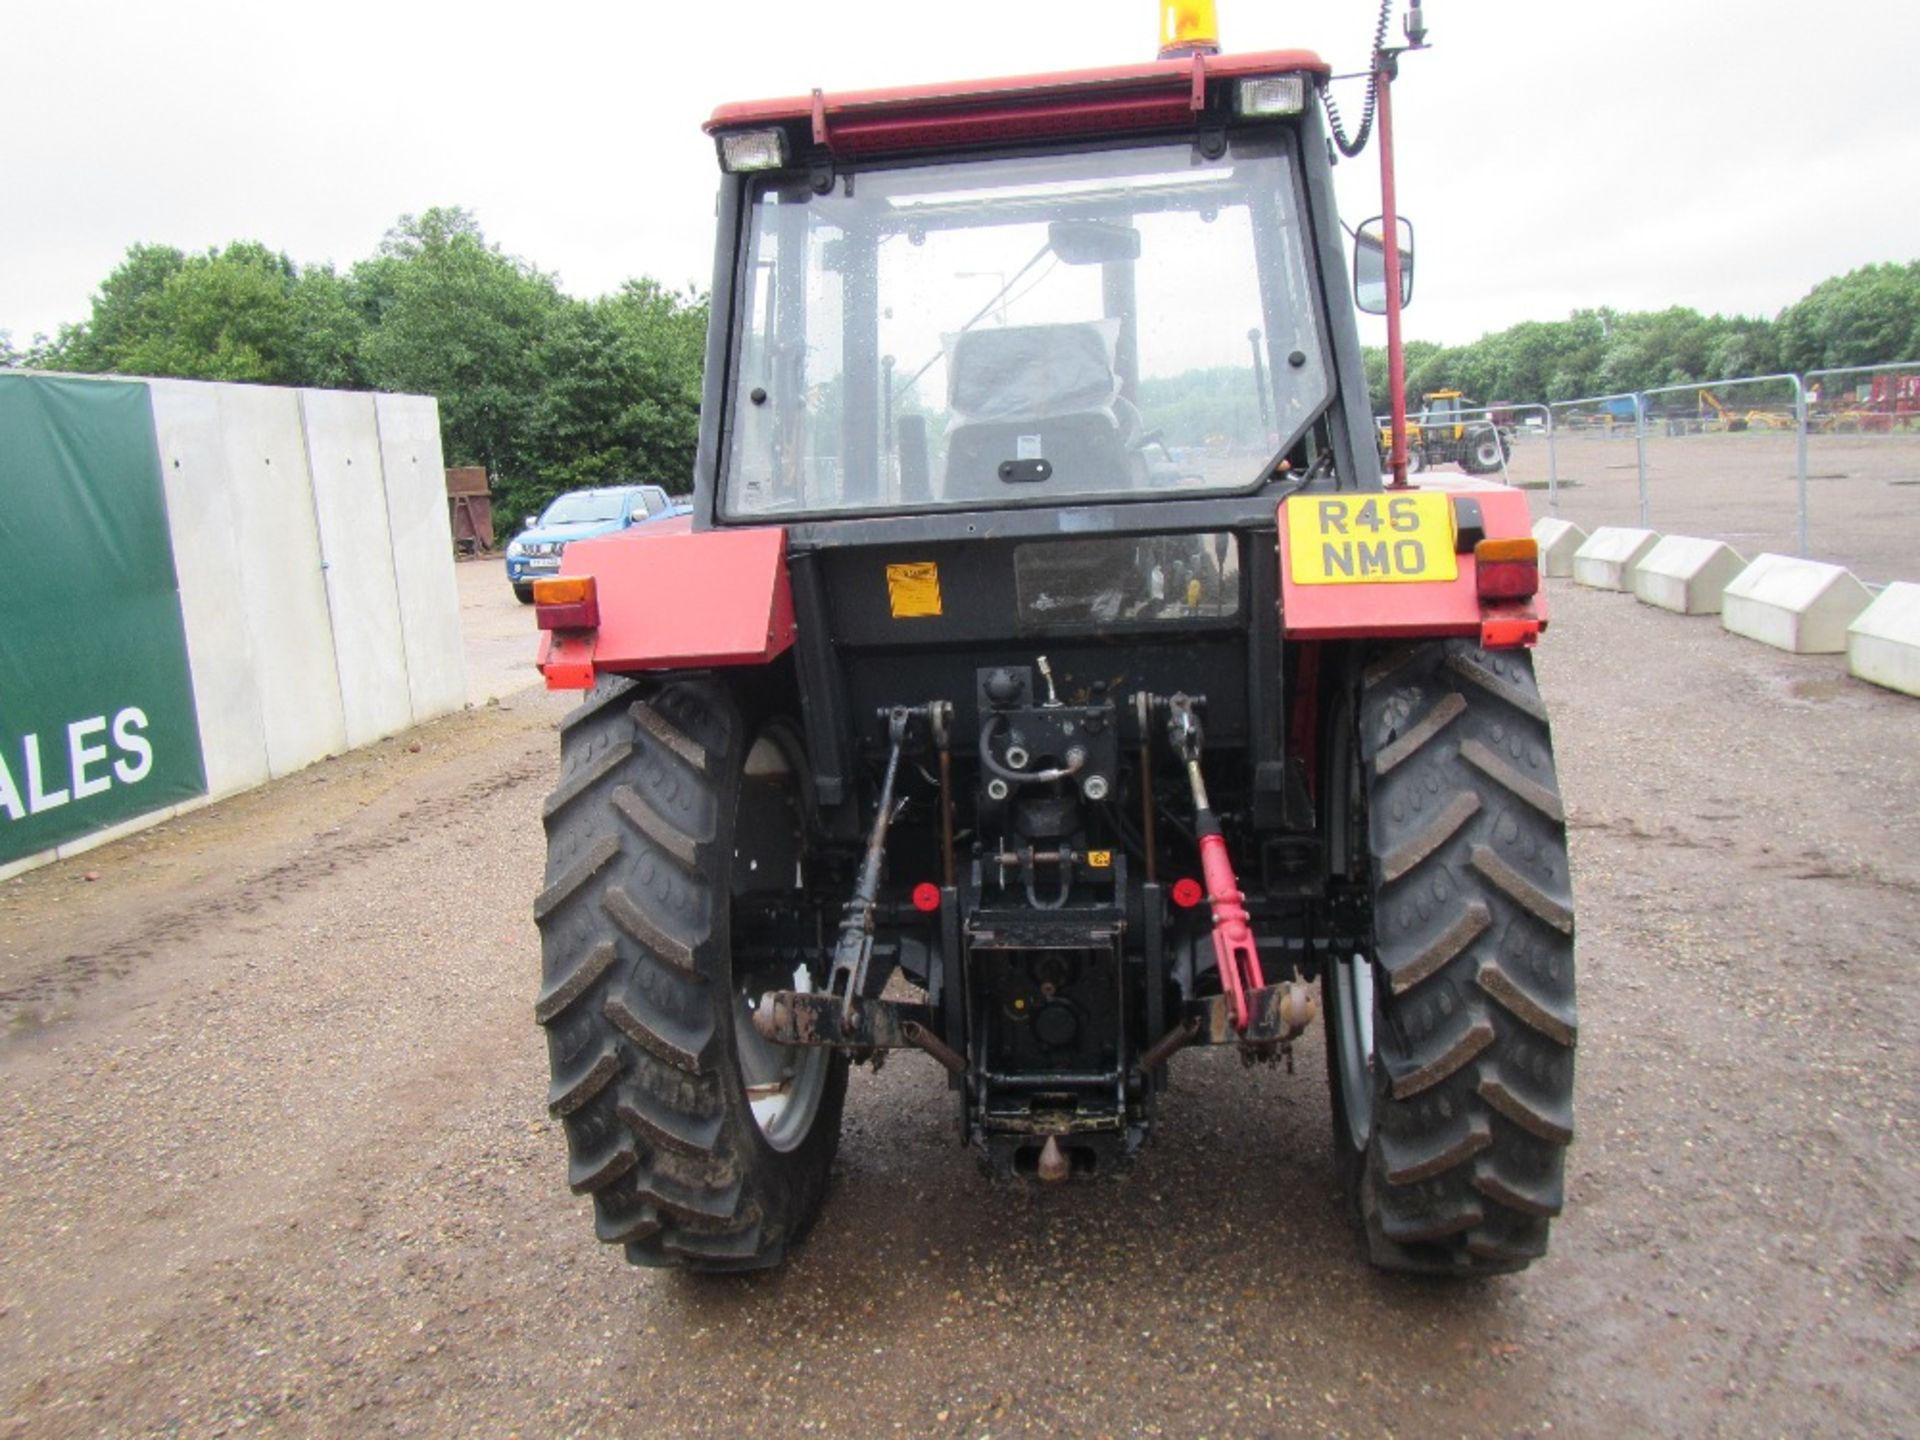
[
  {"x": 639, "y": 514},
  {"x": 1370, "y": 265},
  {"x": 531, "y": 521}
]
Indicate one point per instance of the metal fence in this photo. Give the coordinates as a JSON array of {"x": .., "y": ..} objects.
[{"x": 1825, "y": 464}]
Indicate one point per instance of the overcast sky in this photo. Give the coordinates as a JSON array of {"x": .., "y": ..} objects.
[{"x": 1553, "y": 155}]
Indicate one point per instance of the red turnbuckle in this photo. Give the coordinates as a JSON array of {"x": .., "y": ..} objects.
[{"x": 1233, "y": 947}]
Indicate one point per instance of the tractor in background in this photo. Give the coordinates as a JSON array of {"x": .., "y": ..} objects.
[{"x": 1452, "y": 430}]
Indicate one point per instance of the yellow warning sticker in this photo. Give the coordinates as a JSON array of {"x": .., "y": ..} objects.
[
  {"x": 1100, "y": 859},
  {"x": 913, "y": 590}
]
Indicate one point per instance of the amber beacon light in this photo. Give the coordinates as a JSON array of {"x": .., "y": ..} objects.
[{"x": 1188, "y": 27}]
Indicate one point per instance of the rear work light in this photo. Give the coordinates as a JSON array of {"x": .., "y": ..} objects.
[
  {"x": 566, "y": 602},
  {"x": 746, "y": 150},
  {"x": 1270, "y": 95},
  {"x": 1507, "y": 569}
]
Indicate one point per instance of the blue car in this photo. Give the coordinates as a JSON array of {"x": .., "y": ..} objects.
[{"x": 577, "y": 515}]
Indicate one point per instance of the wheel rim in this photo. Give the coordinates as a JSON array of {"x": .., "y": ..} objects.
[
  {"x": 1353, "y": 1024},
  {"x": 1352, "y": 978},
  {"x": 783, "y": 1083}
]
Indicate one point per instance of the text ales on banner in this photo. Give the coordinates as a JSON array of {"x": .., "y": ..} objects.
[{"x": 97, "y": 720}]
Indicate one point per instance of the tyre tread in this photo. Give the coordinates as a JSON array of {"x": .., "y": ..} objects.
[
  {"x": 636, "y": 987},
  {"x": 1473, "y": 934},
  {"x": 576, "y": 982}
]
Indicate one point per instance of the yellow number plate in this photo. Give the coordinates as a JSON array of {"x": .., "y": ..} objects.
[{"x": 1370, "y": 539}]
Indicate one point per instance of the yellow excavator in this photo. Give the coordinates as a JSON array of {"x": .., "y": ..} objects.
[{"x": 1715, "y": 416}]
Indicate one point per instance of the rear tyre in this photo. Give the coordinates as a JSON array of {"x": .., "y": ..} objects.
[
  {"x": 672, "y": 838},
  {"x": 1487, "y": 455},
  {"x": 1450, "y": 1046}
]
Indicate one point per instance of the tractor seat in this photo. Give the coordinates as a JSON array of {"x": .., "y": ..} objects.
[{"x": 1035, "y": 392}]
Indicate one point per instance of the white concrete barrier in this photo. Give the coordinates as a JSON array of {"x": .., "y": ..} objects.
[
  {"x": 1558, "y": 540},
  {"x": 1802, "y": 606},
  {"x": 315, "y": 574},
  {"x": 1686, "y": 575},
  {"x": 1607, "y": 559},
  {"x": 278, "y": 575},
  {"x": 1883, "y": 642},
  {"x": 350, "y": 497},
  {"x": 206, "y": 554},
  {"x": 416, "y": 479}
]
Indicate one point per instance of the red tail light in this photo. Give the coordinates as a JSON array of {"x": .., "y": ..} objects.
[
  {"x": 1507, "y": 569},
  {"x": 566, "y": 602}
]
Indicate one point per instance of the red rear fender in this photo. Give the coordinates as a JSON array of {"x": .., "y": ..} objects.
[
  {"x": 1437, "y": 608},
  {"x": 673, "y": 599}
]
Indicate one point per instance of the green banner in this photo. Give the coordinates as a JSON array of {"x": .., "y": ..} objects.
[{"x": 97, "y": 722}]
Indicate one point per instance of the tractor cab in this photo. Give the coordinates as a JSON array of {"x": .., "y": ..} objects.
[
  {"x": 924, "y": 324},
  {"x": 1440, "y": 410}
]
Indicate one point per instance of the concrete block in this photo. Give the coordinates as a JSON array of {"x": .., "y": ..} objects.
[
  {"x": 206, "y": 556},
  {"x": 252, "y": 585},
  {"x": 416, "y": 481},
  {"x": 1686, "y": 575},
  {"x": 1802, "y": 606},
  {"x": 1607, "y": 559},
  {"x": 1558, "y": 541},
  {"x": 356, "y": 546},
  {"x": 282, "y": 578},
  {"x": 1883, "y": 642}
]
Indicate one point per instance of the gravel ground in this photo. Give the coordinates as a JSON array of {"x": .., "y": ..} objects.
[
  {"x": 276, "y": 1159},
  {"x": 495, "y": 625}
]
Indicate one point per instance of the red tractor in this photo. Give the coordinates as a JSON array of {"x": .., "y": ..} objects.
[{"x": 1013, "y": 697}]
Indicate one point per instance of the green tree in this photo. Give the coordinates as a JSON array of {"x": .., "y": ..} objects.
[
  {"x": 1869, "y": 316},
  {"x": 1417, "y": 353},
  {"x": 330, "y": 331},
  {"x": 1591, "y": 352},
  {"x": 618, "y": 394},
  {"x": 1743, "y": 347},
  {"x": 221, "y": 316},
  {"x": 122, "y": 312},
  {"x": 449, "y": 315},
  {"x": 244, "y": 313}
]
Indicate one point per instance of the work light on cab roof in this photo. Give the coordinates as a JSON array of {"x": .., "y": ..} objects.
[
  {"x": 747, "y": 150},
  {"x": 1046, "y": 682}
]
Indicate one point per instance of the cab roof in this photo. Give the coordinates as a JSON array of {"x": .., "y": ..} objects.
[{"x": 1154, "y": 95}]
